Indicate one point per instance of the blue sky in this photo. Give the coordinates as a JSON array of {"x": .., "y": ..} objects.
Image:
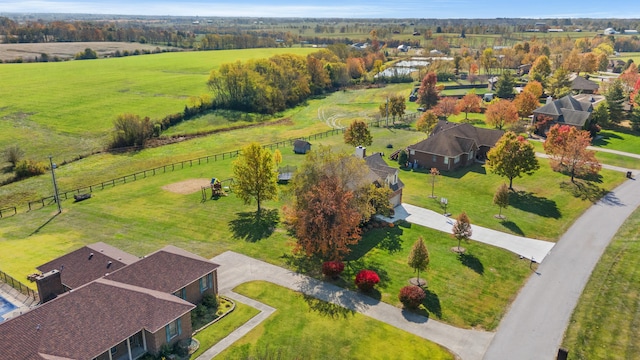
[{"x": 337, "y": 9}]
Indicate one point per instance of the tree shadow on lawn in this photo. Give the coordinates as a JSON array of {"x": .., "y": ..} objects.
[
  {"x": 513, "y": 227},
  {"x": 327, "y": 309},
  {"x": 387, "y": 238},
  {"x": 527, "y": 201},
  {"x": 602, "y": 139},
  {"x": 253, "y": 227},
  {"x": 472, "y": 262},
  {"x": 584, "y": 190}
]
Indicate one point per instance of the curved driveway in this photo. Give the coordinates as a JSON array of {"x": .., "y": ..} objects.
[{"x": 535, "y": 324}]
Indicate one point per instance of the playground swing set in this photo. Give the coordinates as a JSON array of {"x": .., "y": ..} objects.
[{"x": 218, "y": 188}]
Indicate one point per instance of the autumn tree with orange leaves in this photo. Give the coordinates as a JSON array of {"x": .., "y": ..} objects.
[
  {"x": 567, "y": 147},
  {"x": 501, "y": 113},
  {"x": 328, "y": 224},
  {"x": 525, "y": 103},
  {"x": 470, "y": 103},
  {"x": 447, "y": 107}
]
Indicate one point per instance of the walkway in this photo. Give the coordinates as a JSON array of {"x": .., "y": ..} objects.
[
  {"x": 525, "y": 247},
  {"x": 237, "y": 334},
  {"x": 637, "y": 156},
  {"x": 535, "y": 324},
  {"x": 236, "y": 269}
]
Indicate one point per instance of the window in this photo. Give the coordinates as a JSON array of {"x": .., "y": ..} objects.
[
  {"x": 114, "y": 350},
  {"x": 182, "y": 293},
  {"x": 412, "y": 152},
  {"x": 471, "y": 155},
  {"x": 434, "y": 158},
  {"x": 446, "y": 160},
  {"x": 456, "y": 159},
  {"x": 173, "y": 329},
  {"x": 206, "y": 282}
]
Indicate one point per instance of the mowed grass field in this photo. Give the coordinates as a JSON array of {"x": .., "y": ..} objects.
[
  {"x": 605, "y": 323},
  {"x": 308, "y": 329},
  {"x": 68, "y": 108}
]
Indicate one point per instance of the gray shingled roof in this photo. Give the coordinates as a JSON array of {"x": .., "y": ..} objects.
[
  {"x": 80, "y": 266},
  {"x": 452, "y": 139},
  {"x": 580, "y": 83},
  {"x": 567, "y": 110},
  {"x": 88, "y": 321}
]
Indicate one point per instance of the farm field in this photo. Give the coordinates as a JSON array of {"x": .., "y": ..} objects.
[
  {"x": 67, "y": 50},
  {"x": 604, "y": 321},
  {"x": 316, "y": 330},
  {"x": 46, "y": 115}
]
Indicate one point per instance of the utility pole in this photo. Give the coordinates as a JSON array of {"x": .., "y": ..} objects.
[
  {"x": 55, "y": 184},
  {"x": 387, "y": 111}
]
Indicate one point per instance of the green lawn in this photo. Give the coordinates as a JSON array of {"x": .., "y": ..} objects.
[
  {"x": 617, "y": 140},
  {"x": 605, "y": 322},
  {"x": 223, "y": 327},
  {"x": 470, "y": 291},
  {"x": 605, "y": 157},
  {"x": 68, "y": 108},
  {"x": 543, "y": 205},
  {"x": 306, "y": 328}
]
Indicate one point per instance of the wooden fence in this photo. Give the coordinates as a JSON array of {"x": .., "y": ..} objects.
[{"x": 65, "y": 195}]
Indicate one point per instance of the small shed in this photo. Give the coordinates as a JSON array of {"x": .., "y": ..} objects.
[{"x": 301, "y": 146}]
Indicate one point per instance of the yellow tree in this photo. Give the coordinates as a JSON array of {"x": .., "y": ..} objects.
[
  {"x": 427, "y": 122},
  {"x": 254, "y": 175}
]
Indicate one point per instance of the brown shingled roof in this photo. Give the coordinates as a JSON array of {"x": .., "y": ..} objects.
[
  {"x": 453, "y": 139},
  {"x": 80, "y": 266},
  {"x": 172, "y": 269},
  {"x": 88, "y": 321}
]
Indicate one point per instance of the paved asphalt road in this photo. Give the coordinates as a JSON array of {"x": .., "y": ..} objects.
[{"x": 535, "y": 324}]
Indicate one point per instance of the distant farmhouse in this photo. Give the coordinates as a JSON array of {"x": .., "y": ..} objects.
[
  {"x": 452, "y": 146},
  {"x": 101, "y": 303}
]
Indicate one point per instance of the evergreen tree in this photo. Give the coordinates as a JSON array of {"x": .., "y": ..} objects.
[
  {"x": 615, "y": 98},
  {"x": 505, "y": 84},
  {"x": 559, "y": 84}
]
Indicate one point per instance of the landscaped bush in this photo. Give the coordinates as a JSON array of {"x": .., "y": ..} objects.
[
  {"x": 411, "y": 296},
  {"x": 210, "y": 301},
  {"x": 332, "y": 269},
  {"x": 366, "y": 280},
  {"x": 28, "y": 168}
]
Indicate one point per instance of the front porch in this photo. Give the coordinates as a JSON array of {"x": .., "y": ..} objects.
[{"x": 130, "y": 349}]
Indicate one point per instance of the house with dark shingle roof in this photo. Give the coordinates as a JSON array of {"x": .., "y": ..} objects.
[
  {"x": 564, "y": 111},
  {"x": 580, "y": 85},
  {"x": 452, "y": 146},
  {"x": 382, "y": 174},
  {"x": 136, "y": 306}
]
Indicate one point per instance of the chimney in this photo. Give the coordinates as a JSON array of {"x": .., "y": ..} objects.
[
  {"x": 361, "y": 152},
  {"x": 49, "y": 285}
]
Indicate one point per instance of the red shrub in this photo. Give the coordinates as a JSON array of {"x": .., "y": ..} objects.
[
  {"x": 411, "y": 296},
  {"x": 366, "y": 279},
  {"x": 332, "y": 268}
]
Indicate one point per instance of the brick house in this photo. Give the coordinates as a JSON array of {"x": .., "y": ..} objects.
[
  {"x": 452, "y": 146},
  {"x": 133, "y": 308}
]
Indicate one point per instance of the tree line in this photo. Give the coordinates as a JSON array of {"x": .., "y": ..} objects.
[{"x": 283, "y": 81}]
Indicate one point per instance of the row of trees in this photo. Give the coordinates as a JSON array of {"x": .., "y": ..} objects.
[{"x": 282, "y": 81}]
